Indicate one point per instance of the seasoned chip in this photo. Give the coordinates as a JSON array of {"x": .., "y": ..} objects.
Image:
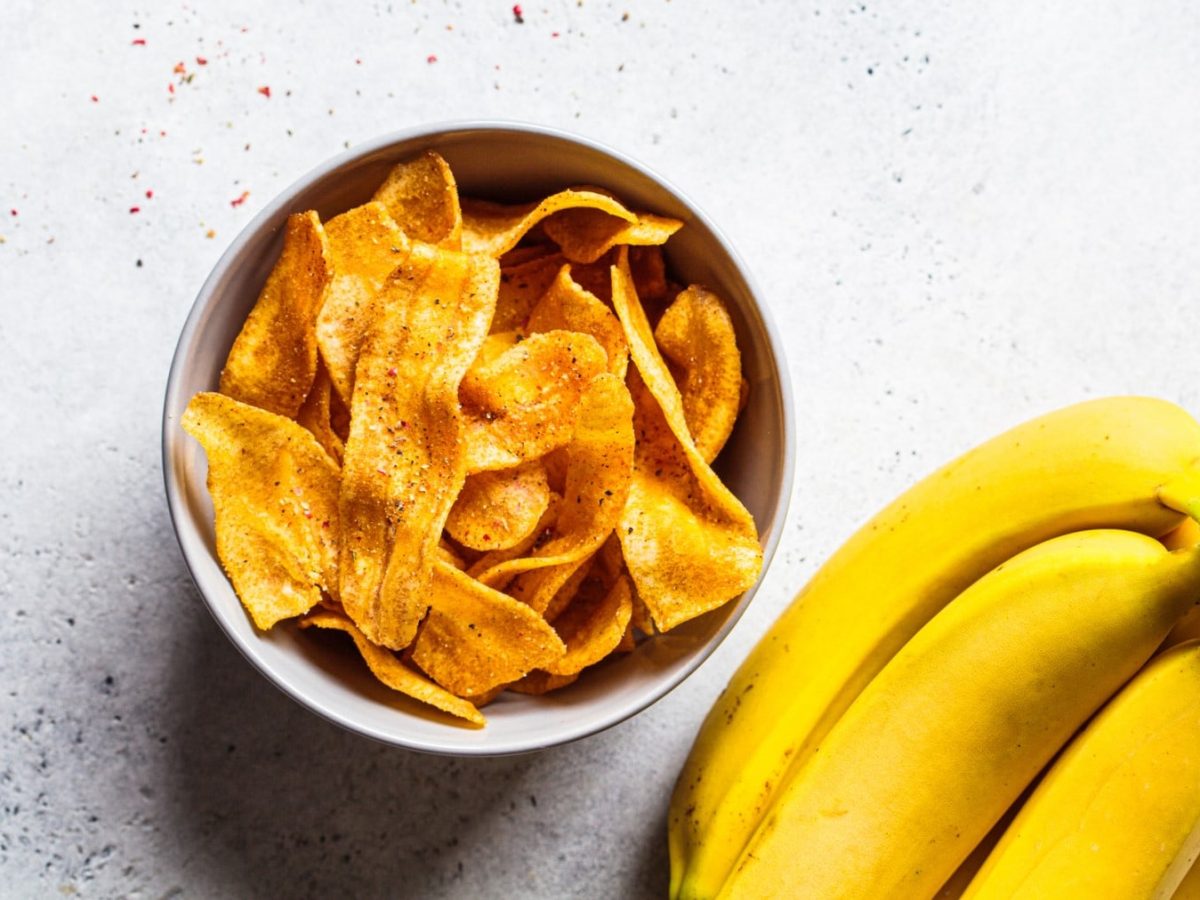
[
  {"x": 569, "y": 589},
  {"x": 499, "y": 509},
  {"x": 405, "y": 462},
  {"x": 391, "y": 671},
  {"x": 482, "y": 568},
  {"x": 521, "y": 287},
  {"x": 584, "y": 235},
  {"x": 494, "y": 229},
  {"x": 365, "y": 247},
  {"x": 567, "y": 306},
  {"x": 317, "y": 417},
  {"x": 476, "y": 638},
  {"x": 592, "y": 627},
  {"x": 422, "y": 197},
  {"x": 274, "y": 359},
  {"x": 539, "y": 682},
  {"x": 649, "y": 271},
  {"x": 274, "y": 492},
  {"x": 523, "y": 403},
  {"x": 689, "y": 543},
  {"x": 599, "y": 470},
  {"x": 520, "y": 256},
  {"x": 696, "y": 334}
]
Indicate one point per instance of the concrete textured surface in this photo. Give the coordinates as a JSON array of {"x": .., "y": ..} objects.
[{"x": 961, "y": 214}]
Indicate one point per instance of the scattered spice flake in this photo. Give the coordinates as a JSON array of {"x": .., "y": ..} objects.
[
  {"x": 95, "y": 99},
  {"x": 201, "y": 61},
  {"x": 134, "y": 210},
  {"x": 554, "y": 34},
  {"x": 238, "y": 201},
  {"x": 171, "y": 88},
  {"x": 431, "y": 58},
  {"x": 358, "y": 61},
  {"x": 138, "y": 42},
  {"x": 12, "y": 212},
  {"x": 517, "y": 16},
  {"x": 180, "y": 68},
  {"x": 265, "y": 90},
  {"x": 149, "y": 195},
  {"x": 210, "y": 234}
]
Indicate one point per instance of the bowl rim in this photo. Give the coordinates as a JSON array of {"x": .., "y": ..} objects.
[{"x": 171, "y": 434}]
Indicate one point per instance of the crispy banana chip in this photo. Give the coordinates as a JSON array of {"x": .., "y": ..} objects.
[
  {"x": 422, "y": 197},
  {"x": 391, "y": 671},
  {"x": 476, "y": 638},
  {"x": 274, "y": 359},
  {"x": 592, "y": 627},
  {"x": 523, "y": 403},
  {"x": 497, "y": 510},
  {"x": 538, "y": 682},
  {"x": 520, "y": 256},
  {"x": 568, "y": 307},
  {"x": 316, "y": 414},
  {"x": 599, "y": 472},
  {"x": 584, "y": 235},
  {"x": 494, "y": 229},
  {"x": 568, "y": 590},
  {"x": 274, "y": 492},
  {"x": 405, "y": 462},
  {"x": 365, "y": 247},
  {"x": 696, "y": 334},
  {"x": 521, "y": 287},
  {"x": 689, "y": 543},
  {"x": 649, "y": 270}
]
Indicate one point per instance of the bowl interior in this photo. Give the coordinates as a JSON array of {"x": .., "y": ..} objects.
[{"x": 322, "y": 671}]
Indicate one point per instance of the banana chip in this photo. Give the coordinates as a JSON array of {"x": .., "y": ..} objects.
[
  {"x": 592, "y": 627},
  {"x": 422, "y": 197},
  {"x": 497, "y": 510},
  {"x": 523, "y": 403},
  {"x": 696, "y": 334},
  {"x": 404, "y": 462},
  {"x": 689, "y": 543},
  {"x": 584, "y": 235},
  {"x": 493, "y": 229},
  {"x": 387, "y": 668},
  {"x": 316, "y": 414},
  {"x": 538, "y": 682},
  {"x": 600, "y": 468},
  {"x": 482, "y": 568},
  {"x": 567, "y": 306},
  {"x": 274, "y": 359},
  {"x": 274, "y": 492},
  {"x": 521, "y": 287},
  {"x": 476, "y": 638},
  {"x": 365, "y": 247}
]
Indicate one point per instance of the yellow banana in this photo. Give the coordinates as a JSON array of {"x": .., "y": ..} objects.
[
  {"x": 944, "y": 739},
  {"x": 1098, "y": 464},
  {"x": 1188, "y": 629},
  {"x": 1117, "y": 817}
]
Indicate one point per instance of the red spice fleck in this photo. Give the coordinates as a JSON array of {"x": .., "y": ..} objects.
[
  {"x": 308, "y": 514},
  {"x": 12, "y": 212},
  {"x": 381, "y": 471},
  {"x": 238, "y": 201},
  {"x": 171, "y": 88},
  {"x": 392, "y": 372},
  {"x": 133, "y": 210},
  {"x": 180, "y": 68},
  {"x": 518, "y": 15},
  {"x": 139, "y": 42},
  {"x": 265, "y": 90},
  {"x": 95, "y": 99},
  {"x": 554, "y": 34},
  {"x": 431, "y": 59},
  {"x": 162, "y": 134},
  {"x": 201, "y": 61},
  {"x": 149, "y": 195},
  {"x": 358, "y": 61}
]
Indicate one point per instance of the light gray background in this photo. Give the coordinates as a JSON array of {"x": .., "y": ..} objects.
[{"x": 961, "y": 214}]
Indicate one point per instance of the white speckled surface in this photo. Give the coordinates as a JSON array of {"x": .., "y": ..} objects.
[{"x": 961, "y": 214}]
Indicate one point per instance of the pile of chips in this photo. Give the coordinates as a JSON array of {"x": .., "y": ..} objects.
[{"x": 450, "y": 429}]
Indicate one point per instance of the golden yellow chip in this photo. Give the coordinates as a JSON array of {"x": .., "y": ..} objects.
[
  {"x": 422, "y": 197},
  {"x": 316, "y": 414},
  {"x": 365, "y": 247},
  {"x": 539, "y": 682},
  {"x": 274, "y": 359},
  {"x": 523, "y": 403},
  {"x": 599, "y": 471},
  {"x": 689, "y": 543},
  {"x": 476, "y": 638},
  {"x": 592, "y": 628},
  {"x": 569, "y": 589},
  {"x": 521, "y": 256},
  {"x": 649, "y": 270},
  {"x": 696, "y": 334},
  {"x": 494, "y": 229},
  {"x": 482, "y": 568},
  {"x": 395, "y": 674},
  {"x": 521, "y": 287},
  {"x": 497, "y": 510},
  {"x": 584, "y": 235},
  {"x": 405, "y": 462},
  {"x": 567, "y": 306},
  {"x": 274, "y": 493}
]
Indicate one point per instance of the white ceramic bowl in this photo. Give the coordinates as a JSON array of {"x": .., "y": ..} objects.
[{"x": 503, "y": 161}]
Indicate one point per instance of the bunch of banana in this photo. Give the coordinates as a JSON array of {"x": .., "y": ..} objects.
[{"x": 879, "y": 730}]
